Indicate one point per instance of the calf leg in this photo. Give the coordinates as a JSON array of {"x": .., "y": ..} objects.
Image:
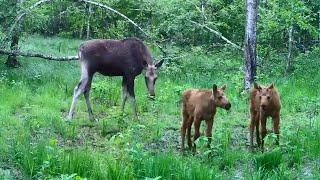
[
  {"x": 208, "y": 131},
  {"x": 183, "y": 130},
  {"x": 257, "y": 131},
  {"x": 276, "y": 127},
  {"x": 252, "y": 126},
  {"x": 124, "y": 93},
  {"x": 196, "y": 135},
  {"x": 190, "y": 121},
  {"x": 263, "y": 128}
]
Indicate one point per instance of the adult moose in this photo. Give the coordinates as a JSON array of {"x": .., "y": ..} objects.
[{"x": 126, "y": 58}]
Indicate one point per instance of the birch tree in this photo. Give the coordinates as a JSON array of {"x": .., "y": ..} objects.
[{"x": 250, "y": 43}]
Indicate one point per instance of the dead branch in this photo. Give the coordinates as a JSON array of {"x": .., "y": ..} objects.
[
  {"x": 117, "y": 12},
  {"x": 125, "y": 17},
  {"x": 39, "y": 55},
  {"x": 218, "y": 34}
]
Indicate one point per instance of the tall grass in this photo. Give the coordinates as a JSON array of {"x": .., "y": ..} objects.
[{"x": 36, "y": 142}]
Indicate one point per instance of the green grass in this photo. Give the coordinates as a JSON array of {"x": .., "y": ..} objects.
[{"x": 36, "y": 142}]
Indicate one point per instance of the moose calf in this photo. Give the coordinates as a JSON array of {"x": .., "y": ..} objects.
[
  {"x": 201, "y": 104},
  {"x": 264, "y": 102}
]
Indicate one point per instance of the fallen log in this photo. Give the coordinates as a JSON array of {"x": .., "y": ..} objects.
[{"x": 39, "y": 55}]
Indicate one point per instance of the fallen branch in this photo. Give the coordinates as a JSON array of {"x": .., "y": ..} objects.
[
  {"x": 39, "y": 55},
  {"x": 218, "y": 34}
]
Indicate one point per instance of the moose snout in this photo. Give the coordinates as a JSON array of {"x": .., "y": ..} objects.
[
  {"x": 228, "y": 106},
  {"x": 151, "y": 95},
  {"x": 263, "y": 107}
]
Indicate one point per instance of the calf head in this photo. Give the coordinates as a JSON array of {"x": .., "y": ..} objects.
[
  {"x": 219, "y": 97},
  {"x": 151, "y": 77},
  {"x": 265, "y": 96}
]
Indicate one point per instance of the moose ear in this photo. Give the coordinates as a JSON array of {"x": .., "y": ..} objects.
[
  {"x": 256, "y": 86},
  {"x": 159, "y": 64},
  {"x": 214, "y": 87},
  {"x": 224, "y": 87},
  {"x": 271, "y": 86}
]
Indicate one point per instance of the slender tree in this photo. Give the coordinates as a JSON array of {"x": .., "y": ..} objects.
[
  {"x": 250, "y": 43},
  {"x": 289, "y": 67},
  {"x": 12, "y": 59}
]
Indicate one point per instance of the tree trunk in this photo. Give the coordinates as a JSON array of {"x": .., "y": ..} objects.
[
  {"x": 250, "y": 43},
  {"x": 12, "y": 59},
  {"x": 88, "y": 22},
  {"x": 319, "y": 27},
  {"x": 290, "y": 47}
]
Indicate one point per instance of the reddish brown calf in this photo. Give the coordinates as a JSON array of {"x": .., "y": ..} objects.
[
  {"x": 201, "y": 104},
  {"x": 264, "y": 102}
]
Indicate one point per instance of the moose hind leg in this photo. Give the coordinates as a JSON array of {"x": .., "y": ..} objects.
[
  {"x": 84, "y": 83},
  {"x": 190, "y": 121},
  {"x": 77, "y": 91},
  {"x": 86, "y": 96},
  {"x": 208, "y": 131},
  {"x": 183, "y": 133},
  {"x": 196, "y": 135}
]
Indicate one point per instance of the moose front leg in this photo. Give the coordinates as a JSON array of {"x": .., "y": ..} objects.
[
  {"x": 130, "y": 88},
  {"x": 276, "y": 127},
  {"x": 254, "y": 124},
  {"x": 263, "y": 128},
  {"x": 124, "y": 93},
  {"x": 208, "y": 131}
]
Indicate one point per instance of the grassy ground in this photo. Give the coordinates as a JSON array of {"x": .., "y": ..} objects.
[{"x": 36, "y": 142}]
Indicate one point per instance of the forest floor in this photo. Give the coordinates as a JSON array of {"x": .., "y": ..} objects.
[{"x": 37, "y": 142}]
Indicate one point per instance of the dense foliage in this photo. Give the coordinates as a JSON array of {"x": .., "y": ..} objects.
[{"x": 169, "y": 20}]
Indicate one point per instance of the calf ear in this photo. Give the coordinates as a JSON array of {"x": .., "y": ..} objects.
[
  {"x": 159, "y": 64},
  {"x": 214, "y": 87},
  {"x": 256, "y": 86},
  {"x": 224, "y": 87},
  {"x": 271, "y": 86}
]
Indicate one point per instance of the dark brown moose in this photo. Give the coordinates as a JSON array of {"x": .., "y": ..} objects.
[
  {"x": 126, "y": 58},
  {"x": 198, "y": 105},
  {"x": 264, "y": 102}
]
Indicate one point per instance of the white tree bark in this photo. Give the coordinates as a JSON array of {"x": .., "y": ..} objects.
[
  {"x": 250, "y": 54},
  {"x": 290, "y": 48},
  {"x": 319, "y": 27},
  {"x": 88, "y": 21}
]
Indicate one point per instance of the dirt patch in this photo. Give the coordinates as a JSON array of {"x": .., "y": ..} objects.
[{"x": 170, "y": 140}]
